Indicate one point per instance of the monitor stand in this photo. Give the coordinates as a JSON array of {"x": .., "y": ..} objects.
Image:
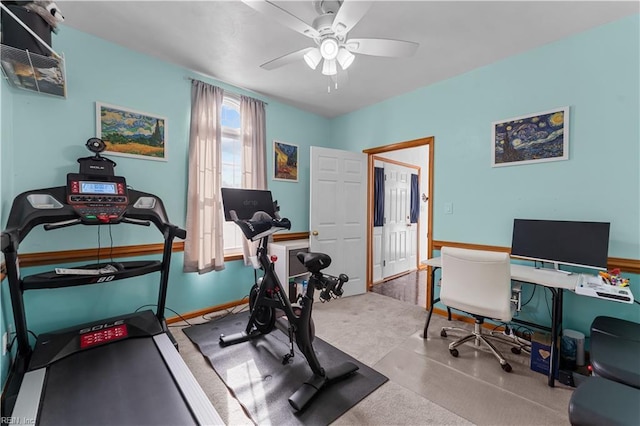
[{"x": 556, "y": 268}]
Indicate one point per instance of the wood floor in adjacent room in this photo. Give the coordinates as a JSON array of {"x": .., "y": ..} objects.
[
  {"x": 410, "y": 288},
  {"x": 426, "y": 386}
]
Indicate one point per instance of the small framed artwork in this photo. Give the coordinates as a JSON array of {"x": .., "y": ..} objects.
[
  {"x": 285, "y": 161},
  {"x": 533, "y": 138},
  {"x": 130, "y": 133}
]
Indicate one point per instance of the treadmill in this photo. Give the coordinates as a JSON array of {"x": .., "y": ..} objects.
[{"x": 121, "y": 370}]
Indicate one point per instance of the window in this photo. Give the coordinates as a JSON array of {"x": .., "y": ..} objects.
[
  {"x": 231, "y": 144},
  {"x": 243, "y": 120},
  {"x": 231, "y": 165}
]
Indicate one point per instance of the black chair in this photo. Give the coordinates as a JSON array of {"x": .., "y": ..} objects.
[{"x": 612, "y": 395}]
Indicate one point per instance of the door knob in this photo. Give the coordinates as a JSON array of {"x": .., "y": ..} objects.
[{"x": 314, "y": 233}]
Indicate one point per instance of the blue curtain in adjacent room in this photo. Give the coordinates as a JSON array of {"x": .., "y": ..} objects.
[
  {"x": 378, "y": 196},
  {"x": 415, "y": 199}
]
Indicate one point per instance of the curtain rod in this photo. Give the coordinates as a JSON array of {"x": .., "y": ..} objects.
[{"x": 230, "y": 84}]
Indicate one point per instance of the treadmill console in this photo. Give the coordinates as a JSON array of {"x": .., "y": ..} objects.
[{"x": 97, "y": 199}]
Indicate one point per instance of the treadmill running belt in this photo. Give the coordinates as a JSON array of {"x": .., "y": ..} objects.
[{"x": 124, "y": 383}]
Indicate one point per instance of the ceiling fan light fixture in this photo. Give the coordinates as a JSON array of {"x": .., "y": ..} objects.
[
  {"x": 329, "y": 48},
  {"x": 329, "y": 67},
  {"x": 313, "y": 58},
  {"x": 345, "y": 58}
]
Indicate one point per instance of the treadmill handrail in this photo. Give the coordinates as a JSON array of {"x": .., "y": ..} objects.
[{"x": 23, "y": 217}]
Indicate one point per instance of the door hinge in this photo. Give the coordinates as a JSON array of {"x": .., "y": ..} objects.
[{"x": 384, "y": 263}]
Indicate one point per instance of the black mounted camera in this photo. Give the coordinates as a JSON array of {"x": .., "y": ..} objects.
[{"x": 96, "y": 165}]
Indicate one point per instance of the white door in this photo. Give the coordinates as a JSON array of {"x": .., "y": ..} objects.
[
  {"x": 338, "y": 213},
  {"x": 398, "y": 238}
]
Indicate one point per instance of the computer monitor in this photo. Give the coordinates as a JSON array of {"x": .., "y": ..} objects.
[
  {"x": 583, "y": 244},
  {"x": 246, "y": 202}
]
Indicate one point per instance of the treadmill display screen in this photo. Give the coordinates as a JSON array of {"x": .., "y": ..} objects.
[
  {"x": 104, "y": 335},
  {"x": 88, "y": 187}
]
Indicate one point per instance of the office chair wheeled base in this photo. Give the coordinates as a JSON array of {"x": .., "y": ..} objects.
[{"x": 479, "y": 339}]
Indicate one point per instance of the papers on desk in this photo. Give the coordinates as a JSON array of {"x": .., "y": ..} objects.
[{"x": 594, "y": 286}]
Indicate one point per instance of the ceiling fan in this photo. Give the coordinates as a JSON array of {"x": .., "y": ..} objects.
[{"x": 330, "y": 31}]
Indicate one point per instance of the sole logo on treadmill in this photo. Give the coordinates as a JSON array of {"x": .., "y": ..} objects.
[{"x": 101, "y": 326}]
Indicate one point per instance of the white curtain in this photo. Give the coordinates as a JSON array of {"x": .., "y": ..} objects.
[
  {"x": 254, "y": 152},
  {"x": 203, "y": 247}
]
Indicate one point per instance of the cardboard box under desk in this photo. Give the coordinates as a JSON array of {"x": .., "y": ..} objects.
[{"x": 541, "y": 352}]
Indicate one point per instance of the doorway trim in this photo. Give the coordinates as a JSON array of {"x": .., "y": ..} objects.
[{"x": 371, "y": 153}]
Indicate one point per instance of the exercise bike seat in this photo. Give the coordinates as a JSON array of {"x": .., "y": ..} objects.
[
  {"x": 262, "y": 225},
  {"x": 314, "y": 262}
]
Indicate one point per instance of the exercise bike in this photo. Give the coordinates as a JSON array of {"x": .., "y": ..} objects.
[{"x": 267, "y": 300}]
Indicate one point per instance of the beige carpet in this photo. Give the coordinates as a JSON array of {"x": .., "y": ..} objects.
[{"x": 427, "y": 385}]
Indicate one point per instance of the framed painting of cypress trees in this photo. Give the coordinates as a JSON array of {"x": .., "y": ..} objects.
[{"x": 130, "y": 133}]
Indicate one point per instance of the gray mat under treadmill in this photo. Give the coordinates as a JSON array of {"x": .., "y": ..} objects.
[{"x": 254, "y": 373}]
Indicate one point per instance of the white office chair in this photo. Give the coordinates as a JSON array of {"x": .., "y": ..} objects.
[{"x": 479, "y": 283}]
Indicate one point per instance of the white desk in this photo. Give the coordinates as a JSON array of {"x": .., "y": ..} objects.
[
  {"x": 556, "y": 282},
  {"x": 529, "y": 274}
]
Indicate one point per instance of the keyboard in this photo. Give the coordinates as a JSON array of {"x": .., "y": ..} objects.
[{"x": 594, "y": 286}]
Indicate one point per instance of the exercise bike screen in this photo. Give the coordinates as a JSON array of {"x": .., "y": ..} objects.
[{"x": 246, "y": 202}]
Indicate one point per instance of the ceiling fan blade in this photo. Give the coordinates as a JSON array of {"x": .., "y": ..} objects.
[
  {"x": 286, "y": 59},
  {"x": 285, "y": 18},
  {"x": 381, "y": 47},
  {"x": 349, "y": 14}
]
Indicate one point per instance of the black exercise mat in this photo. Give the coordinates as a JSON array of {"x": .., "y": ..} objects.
[{"x": 254, "y": 373}]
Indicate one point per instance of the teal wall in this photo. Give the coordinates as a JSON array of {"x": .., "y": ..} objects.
[{"x": 597, "y": 75}]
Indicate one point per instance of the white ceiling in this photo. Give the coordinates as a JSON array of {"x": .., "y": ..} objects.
[{"x": 228, "y": 41}]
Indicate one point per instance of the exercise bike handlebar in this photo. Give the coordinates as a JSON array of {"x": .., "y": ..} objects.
[
  {"x": 260, "y": 225},
  {"x": 331, "y": 286}
]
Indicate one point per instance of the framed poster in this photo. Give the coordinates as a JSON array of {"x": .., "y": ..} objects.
[
  {"x": 130, "y": 133},
  {"x": 533, "y": 138},
  {"x": 285, "y": 161}
]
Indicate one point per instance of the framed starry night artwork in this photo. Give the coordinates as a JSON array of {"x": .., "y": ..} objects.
[{"x": 533, "y": 138}]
